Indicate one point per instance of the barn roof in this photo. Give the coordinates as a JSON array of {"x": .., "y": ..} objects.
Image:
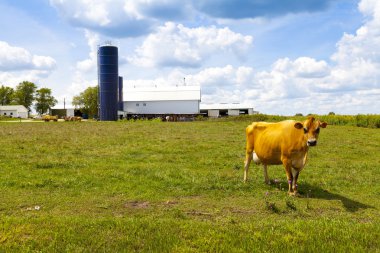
[
  {"x": 19, "y": 108},
  {"x": 162, "y": 93}
]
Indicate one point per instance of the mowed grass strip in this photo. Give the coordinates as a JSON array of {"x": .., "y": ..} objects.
[{"x": 177, "y": 187}]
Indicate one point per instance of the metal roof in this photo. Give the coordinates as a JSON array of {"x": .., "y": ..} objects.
[
  {"x": 224, "y": 106},
  {"x": 19, "y": 108},
  {"x": 162, "y": 93}
]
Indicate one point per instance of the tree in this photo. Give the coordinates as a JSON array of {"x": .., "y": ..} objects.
[
  {"x": 87, "y": 100},
  {"x": 24, "y": 94},
  {"x": 6, "y": 95},
  {"x": 44, "y": 100}
]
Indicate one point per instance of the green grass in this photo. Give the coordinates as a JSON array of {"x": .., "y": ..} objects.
[{"x": 177, "y": 187}]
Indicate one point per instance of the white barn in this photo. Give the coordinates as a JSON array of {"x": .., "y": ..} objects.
[
  {"x": 14, "y": 111},
  {"x": 162, "y": 100}
]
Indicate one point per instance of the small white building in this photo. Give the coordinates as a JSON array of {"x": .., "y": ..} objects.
[
  {"x": 14, "y": 111},
  {"x": 162, "y": 100},
  {"x": 226, "y": 109}
]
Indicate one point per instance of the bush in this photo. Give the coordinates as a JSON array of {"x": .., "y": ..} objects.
[
  {"x": 360, "y": 120},
  {"x": 8, "y": 118}
]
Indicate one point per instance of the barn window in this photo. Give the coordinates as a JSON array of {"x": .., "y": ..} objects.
[
  {"x": 11, "y": 113},
  {"x": 137, "y": 104},
  {"x": 144, "y": 104}
]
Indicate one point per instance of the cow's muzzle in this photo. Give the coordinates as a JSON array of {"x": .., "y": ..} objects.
[{"x": 312, "y": 143}]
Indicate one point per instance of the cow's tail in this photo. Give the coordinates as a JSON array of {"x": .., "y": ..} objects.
[{"x": 248, "y": 150}]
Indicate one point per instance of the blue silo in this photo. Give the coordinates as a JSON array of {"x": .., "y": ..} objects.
[
  {"x": 108, "y": 77},
  {"x": 120, "y": 93}
]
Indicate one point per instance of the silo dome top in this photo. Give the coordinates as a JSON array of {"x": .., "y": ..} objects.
[{"x": 107, "y": 44}]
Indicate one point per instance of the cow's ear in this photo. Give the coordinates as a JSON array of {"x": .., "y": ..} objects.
[
  {"x": 298, "y": 125},
  {"x": 323, "y": 124}
]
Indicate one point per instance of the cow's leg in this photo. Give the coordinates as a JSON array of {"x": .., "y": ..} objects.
[
  {"x": 248, "y": 159},
  {"x": 295, "y": 174},
  {"x": 288, "y": 170},
  {"x": 265, "y": 169}
]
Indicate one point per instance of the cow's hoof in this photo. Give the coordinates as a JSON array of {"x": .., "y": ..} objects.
[{"x": 294, "y": 194}]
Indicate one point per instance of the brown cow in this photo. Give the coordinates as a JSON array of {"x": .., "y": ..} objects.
[
  {"x": 286, "y": 142},
  {"x": 73, "y": 118}
]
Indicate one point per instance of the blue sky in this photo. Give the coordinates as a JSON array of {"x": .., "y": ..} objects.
[{"x": 281, "y": 57}]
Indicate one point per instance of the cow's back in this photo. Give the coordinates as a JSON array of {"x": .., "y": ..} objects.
[{"x": 271, "y": 140}]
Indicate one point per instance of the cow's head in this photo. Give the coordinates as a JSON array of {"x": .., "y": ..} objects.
[{"x": 311, "y": 128}]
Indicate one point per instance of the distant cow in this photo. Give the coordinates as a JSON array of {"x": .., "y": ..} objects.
[
  {"x": 286, "y": 142},
  {"x": 73, "y": 118},
  {"x": 47, "y": 118}
]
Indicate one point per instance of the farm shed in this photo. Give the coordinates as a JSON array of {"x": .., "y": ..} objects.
[
  {"x": 225, "y": 109},
  {"x": 162, "y": 100},
  {"x": 60, "y": 112},
  {"x": 14, "y": 111}
]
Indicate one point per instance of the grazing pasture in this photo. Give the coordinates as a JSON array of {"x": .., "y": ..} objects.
[{"x": 150, "y": 186}]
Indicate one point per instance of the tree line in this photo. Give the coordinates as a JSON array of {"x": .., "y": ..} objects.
[{"x": 26, "y": 93}]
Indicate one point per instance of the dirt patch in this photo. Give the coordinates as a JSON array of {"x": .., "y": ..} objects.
[
  {"x": 137, "y": 204},
  {"x": 171, "y": 203},
  {"x": 198, "y": 213}
]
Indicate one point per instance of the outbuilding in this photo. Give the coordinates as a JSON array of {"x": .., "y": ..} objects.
[
  {"x": 14, "y": 111},
  {"x": 62, "y": 112},
  {"x": 170, "y": 100},
  {"x": 226, "y": 109}
]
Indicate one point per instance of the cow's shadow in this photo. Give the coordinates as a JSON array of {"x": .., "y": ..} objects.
[{"x": 307, "y": 190}]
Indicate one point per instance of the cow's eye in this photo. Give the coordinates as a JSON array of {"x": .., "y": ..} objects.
[
  {"x": 317, "y": 131},
  {"x": 305, "y": 130}
]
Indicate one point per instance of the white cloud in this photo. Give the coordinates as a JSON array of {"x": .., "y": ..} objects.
[
  {"x": 131, "y": 8},
  {"x": 177, "y": 45},
  {"x": 79, "y": 84},
  {"x": 289, "y": 79},
  {"x": 13, "y": 79},
  {"x": 43, "y": 62},
  {"x": 302, "y": 67},
  {"x": 17, "y": 58},
  {"x": 18, "y": 64},
  {"x": 220, "y": 84},
  {"x": 357, "y": 57},
  {"x": 310, "y": 68},
  {"x": 93, "y": 12},
  {"x": 85, "y": 71},
  {"x": 370, "y": 8},
  {"x": 223, "y": 84},
  {"x": 349, "y": 79},
  {"x": 349, "y": 84},
  {"x": 137, "y": 14},
  {"x": 90, "y": 63},
  {"x": 115, "y": 18}
]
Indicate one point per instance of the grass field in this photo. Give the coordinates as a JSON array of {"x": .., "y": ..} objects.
[{"x": 177, "y": 187}]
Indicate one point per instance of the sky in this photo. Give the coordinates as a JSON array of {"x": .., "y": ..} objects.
[{"x": 278, "y": 56}]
